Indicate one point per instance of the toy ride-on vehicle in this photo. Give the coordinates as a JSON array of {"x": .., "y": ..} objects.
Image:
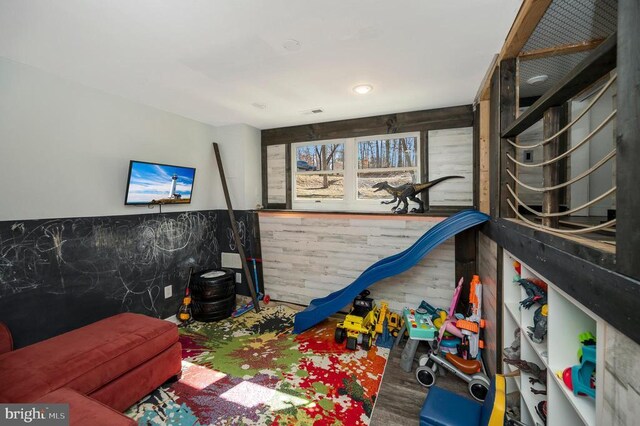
[{"x": 359, "y": 326}]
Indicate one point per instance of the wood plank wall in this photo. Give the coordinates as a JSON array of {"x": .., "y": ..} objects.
[
  {"x": 451, "y": 153},
  {"x": 309, "y": 255},
  {"x": 487, "y": 269},
  {"x": 276, "y": 162}
]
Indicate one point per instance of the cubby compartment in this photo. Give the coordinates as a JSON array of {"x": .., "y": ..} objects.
[{"x": 567, "y": 319}]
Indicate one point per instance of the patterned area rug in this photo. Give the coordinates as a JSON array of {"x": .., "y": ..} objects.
[{"x": 252, "y": 370}]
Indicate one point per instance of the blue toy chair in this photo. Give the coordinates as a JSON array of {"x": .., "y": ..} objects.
[{"x": 445, "y": 408}]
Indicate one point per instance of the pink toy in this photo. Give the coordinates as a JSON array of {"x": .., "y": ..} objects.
[{"x": 450, "y": 323}]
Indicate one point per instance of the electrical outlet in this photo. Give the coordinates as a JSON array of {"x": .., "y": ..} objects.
[
  {"x": 168, "y": 291},
  {"x": 238, "y": 277}
]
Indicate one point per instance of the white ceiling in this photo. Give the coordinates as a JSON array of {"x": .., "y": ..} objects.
[{"x": 211, "y": 60}]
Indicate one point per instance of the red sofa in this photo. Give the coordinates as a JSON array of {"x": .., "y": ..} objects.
[{"x": 100, "y": 369}]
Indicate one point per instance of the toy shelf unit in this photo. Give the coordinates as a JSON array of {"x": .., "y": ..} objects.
[{"x": 567, "y": 320}]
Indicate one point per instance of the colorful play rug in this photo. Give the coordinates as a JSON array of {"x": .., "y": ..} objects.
[{"x": 253, "y": 371}]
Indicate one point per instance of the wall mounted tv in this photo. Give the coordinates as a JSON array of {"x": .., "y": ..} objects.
[{"x": 152, "y": 183}]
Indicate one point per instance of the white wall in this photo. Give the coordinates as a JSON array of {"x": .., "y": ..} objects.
[
  {"x": 65, "y": 149},
  {"x": 241, "y": 156}
]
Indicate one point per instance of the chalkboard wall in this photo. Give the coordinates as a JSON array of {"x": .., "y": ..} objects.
[{"x": 60, "y": 274}]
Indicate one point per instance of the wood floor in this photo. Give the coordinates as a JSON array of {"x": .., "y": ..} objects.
[{"x": 401, "y": 396}]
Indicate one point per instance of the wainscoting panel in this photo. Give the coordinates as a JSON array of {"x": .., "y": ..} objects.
[{"x": 308, "y": 255}]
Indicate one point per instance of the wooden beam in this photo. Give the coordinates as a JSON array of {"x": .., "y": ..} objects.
[
  {"x": 508, "y": 109},
  {"x": 485, "y": 86},
  {"x": 565, "y": 49},
  {"x": 628, "y": 140},
  {"x": 601, "y": 61},
  {"x": 494, "y": 144},
  {"x": 550, "y": 176},
  {"x": 527, "y": 19},
  {"x": 234, "y": 228},
  {"x": 485, "y": 162}
]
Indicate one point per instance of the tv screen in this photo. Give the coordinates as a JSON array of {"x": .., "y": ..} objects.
[{"x": 152, "y": 183}]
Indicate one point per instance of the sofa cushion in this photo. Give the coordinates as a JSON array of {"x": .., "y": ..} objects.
[
  {"x": 84, "y": 359},
  {"x": 86, "y": 411}
]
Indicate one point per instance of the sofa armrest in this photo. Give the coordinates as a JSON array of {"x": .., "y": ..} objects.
[{"x": 6, "y": 341}]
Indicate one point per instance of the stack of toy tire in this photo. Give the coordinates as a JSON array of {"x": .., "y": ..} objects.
[{"x": 213, "y": 294}]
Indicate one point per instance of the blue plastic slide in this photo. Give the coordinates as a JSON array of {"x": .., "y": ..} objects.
[{"x": 321, "y": 308}]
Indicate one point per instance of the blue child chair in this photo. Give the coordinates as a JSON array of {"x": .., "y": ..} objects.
[{"x": 445, "y": 408}]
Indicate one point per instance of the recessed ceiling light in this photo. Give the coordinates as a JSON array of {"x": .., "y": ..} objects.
[
  {"x": 363, "y": 89},
  {"x": 537, "y": 79},
  {"x": 291, "y": 45}
]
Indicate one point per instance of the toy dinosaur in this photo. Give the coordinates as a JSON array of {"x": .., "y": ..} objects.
[
  {"x": 513, "y": 351},
  {"x": 538, "y": 374},
  {"x": 535, "y": 293},
  {"x": 539, "y": 329},
  {"x": 408, "y": 191}
]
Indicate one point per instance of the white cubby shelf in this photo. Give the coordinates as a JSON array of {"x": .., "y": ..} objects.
[{"x": 566, "y": 320}]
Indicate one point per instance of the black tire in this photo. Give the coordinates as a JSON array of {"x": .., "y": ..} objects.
[
  {"x": 352, "y": 342},
  {"x": 366, "y": 342},
  {"x": 478, "y": 390},
  {"x": 207, "y": 311},
  {"x": 218, "y": 287},
  {"x": 425, "y": 376},
  {"x": 340, "y": 335}
]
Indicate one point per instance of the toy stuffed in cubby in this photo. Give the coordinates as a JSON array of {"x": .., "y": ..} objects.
[
  {"x": 466, "y": 364},
  {"x": 536, "y": 291},
  {"x": 581, "y": 377}
]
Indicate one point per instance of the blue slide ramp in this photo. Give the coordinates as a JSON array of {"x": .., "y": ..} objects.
[{"x": 321, "y": 308}]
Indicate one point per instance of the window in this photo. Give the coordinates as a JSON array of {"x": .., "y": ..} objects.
[{"x": 340, "y": 174}]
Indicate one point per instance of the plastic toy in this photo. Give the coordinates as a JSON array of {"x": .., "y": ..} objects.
[
  {"x": 539, "y": 329},
  {"x": 465, "y": 369},
  {"x": 359, "y": 326},
  {"x": 581, "y": 377},
  {"x": 394, "y": 323},
  {"x": 513, "y": 351},
  {"x": 538, "y": 374},
  {"x": 534, "y": 293}
]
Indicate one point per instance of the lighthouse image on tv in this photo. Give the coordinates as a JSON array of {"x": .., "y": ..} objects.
[{"x": 152, "y": 183}]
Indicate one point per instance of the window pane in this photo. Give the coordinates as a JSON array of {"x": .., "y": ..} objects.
[
  {"x": 320, "y": 157},
  {"x": 394, "y": 178},
  {"x": 386, "y": 153},
  {"x": 310, "y": 185}
]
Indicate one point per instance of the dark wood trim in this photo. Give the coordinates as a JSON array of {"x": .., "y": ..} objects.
[
  {"x": 494, "y": 144},
  {"x": 601, "y": 60},
  {"x": 550, "y": 175},
  {"x": 508, "y": 109},
  {"x": 610, "y": 295},
  {"x": 415, "y": 121},
  {"x": 476, "y": 157},
  {"x": 264, "y": 168},
  {"x": 424, "y": 164},
  {"x": 287, "y": 172},
  {"x": 465, "y": 264},
  {"x": 628, "y": 140}
]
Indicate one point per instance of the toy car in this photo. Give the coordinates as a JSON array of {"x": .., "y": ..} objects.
[{"x": 359, "y": 326}]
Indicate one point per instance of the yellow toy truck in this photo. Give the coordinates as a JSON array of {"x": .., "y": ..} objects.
[{"x": 359, "y": 326}]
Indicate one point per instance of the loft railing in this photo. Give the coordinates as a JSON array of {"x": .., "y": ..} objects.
[{"x": 598, "y": 64}]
